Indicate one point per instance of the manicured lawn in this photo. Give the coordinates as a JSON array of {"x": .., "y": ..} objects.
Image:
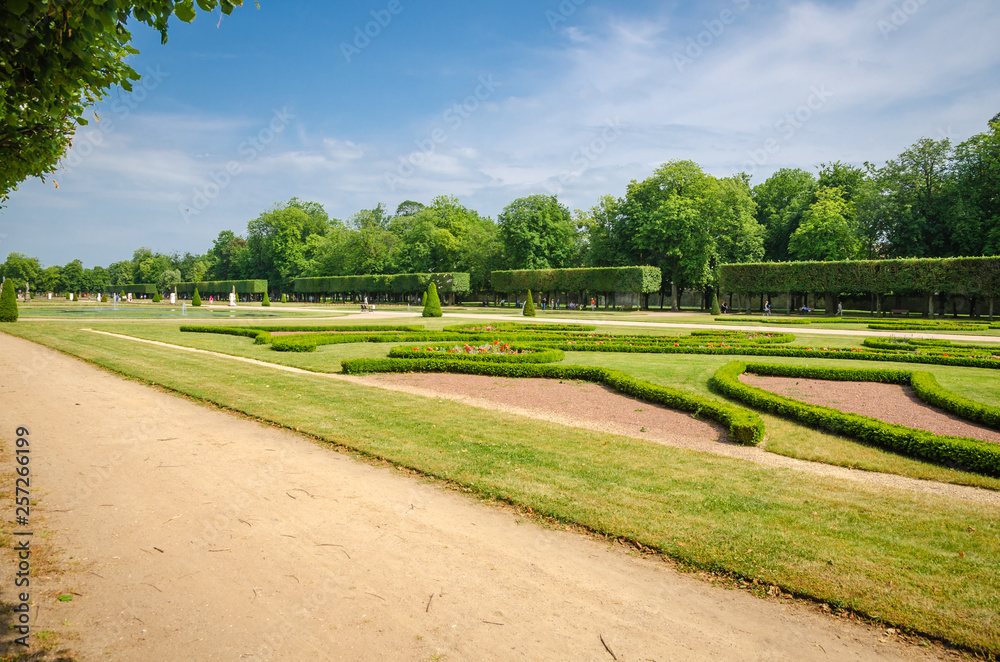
[{"x": 922, "y": 562}]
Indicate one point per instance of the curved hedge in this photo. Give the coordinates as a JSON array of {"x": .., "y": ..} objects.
[
  {"x": 961, "y": 452},
  {"x": 745, "y": 427}
]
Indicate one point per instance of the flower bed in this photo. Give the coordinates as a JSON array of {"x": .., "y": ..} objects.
[{"x": 495, "y": 351}]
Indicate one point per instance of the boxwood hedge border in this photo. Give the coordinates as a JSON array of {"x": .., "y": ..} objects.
[
  {"x": 959, "y": 452},
  {"x": 745, "y": 427}
]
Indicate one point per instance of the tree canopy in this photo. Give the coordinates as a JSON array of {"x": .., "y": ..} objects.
[{"x": 56, "y": 58}]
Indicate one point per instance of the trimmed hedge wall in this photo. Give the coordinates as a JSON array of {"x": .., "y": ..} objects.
[
  {"x": 745, "y": 427},
  {"x": 213, "y": 287},
  {"x": 387, "y": 283},
  {"x": 598, "y": 279},
  {"x": 961, "y": 452},
  {"x": 960, "y": 275}
]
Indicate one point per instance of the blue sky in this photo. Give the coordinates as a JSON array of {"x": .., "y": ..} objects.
[{"x": 352, "y": 104}]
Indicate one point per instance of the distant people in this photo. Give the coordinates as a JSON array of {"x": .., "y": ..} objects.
[
  {"x": 767, "y": 308},
  {"x": 724, "y": 307},
  {"x": 805, "y": 309},
  {"x": 840, "y": 309},
  {"x": 593, "y": 304}
]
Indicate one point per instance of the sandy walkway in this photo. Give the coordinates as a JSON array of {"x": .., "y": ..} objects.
[{"x": 187, "y": 533}]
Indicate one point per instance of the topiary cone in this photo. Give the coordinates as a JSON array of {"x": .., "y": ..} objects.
[
  {"x": 529, "y": 306},
  {"x": 432, "y": 304},
  {"x": 8, "y": 302},
  {"x": 196, "y": 299},
  {"x": 265, "y": 301},
  {"x": 713, "y": 302}
]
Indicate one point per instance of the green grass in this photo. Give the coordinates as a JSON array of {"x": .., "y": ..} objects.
[
  {"x": 66, "y": 310},
  {"x": 683, "y": 371},
  {"x": 921, "y": 562}
]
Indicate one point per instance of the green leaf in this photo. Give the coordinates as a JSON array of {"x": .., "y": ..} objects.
[
  {"x": 65, "y": 598},
  {"x": 17, "y": 7},
  {"x": 185, "y": 10}
]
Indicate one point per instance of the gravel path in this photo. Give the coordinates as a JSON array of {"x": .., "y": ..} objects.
[{"x": 888, "y": 402}]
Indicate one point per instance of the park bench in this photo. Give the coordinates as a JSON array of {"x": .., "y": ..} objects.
[{"x": 901, "y": 311}]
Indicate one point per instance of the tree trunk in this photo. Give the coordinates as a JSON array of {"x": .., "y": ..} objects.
[
  {"x": 831, "y": 304},
  {"x": 878, "y": 304},
  {"x": 673, "y": 297}
]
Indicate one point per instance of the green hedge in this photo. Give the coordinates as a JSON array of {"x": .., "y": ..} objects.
[
  {"x": 214, "y": 287},
  {"x": 959, "y": 452},
  {"x": 975, "y": 276},
  {"x": 598, "y": 279},
  {"x": 533, "y": 355},
  {"x": 745, "y": 427},
  {"x": 387, "y": 283},
  {"x": 926, "y": 326}
]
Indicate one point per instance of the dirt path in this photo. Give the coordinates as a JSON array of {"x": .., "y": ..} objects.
[{"x": 190, "y": 534}]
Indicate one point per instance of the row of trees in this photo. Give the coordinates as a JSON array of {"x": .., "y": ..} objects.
[
  {"x": 934, "y": 200},
  {"x": 145, "y": 267}
]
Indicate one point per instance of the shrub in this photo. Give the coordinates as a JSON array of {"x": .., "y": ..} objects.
[
  {"x": 970, "y": 454},
  {"x": 432, "y": 304},
  {"x": 713, "y": 302},
  {"x": 265, "y": 301},
  {"x": 284, "y": 298},
  {"x": 121, "y": 295},
  {"x": 8, "y": 302},
  {"x": 745, "y": 427},
  {"x": 196, "y": 299},
  {"x": 529, "y": 306},
  {"x": 157, "y": 298}
]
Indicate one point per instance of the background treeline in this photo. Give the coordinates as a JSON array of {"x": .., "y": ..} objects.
[{"x": 934, "y": 200}]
